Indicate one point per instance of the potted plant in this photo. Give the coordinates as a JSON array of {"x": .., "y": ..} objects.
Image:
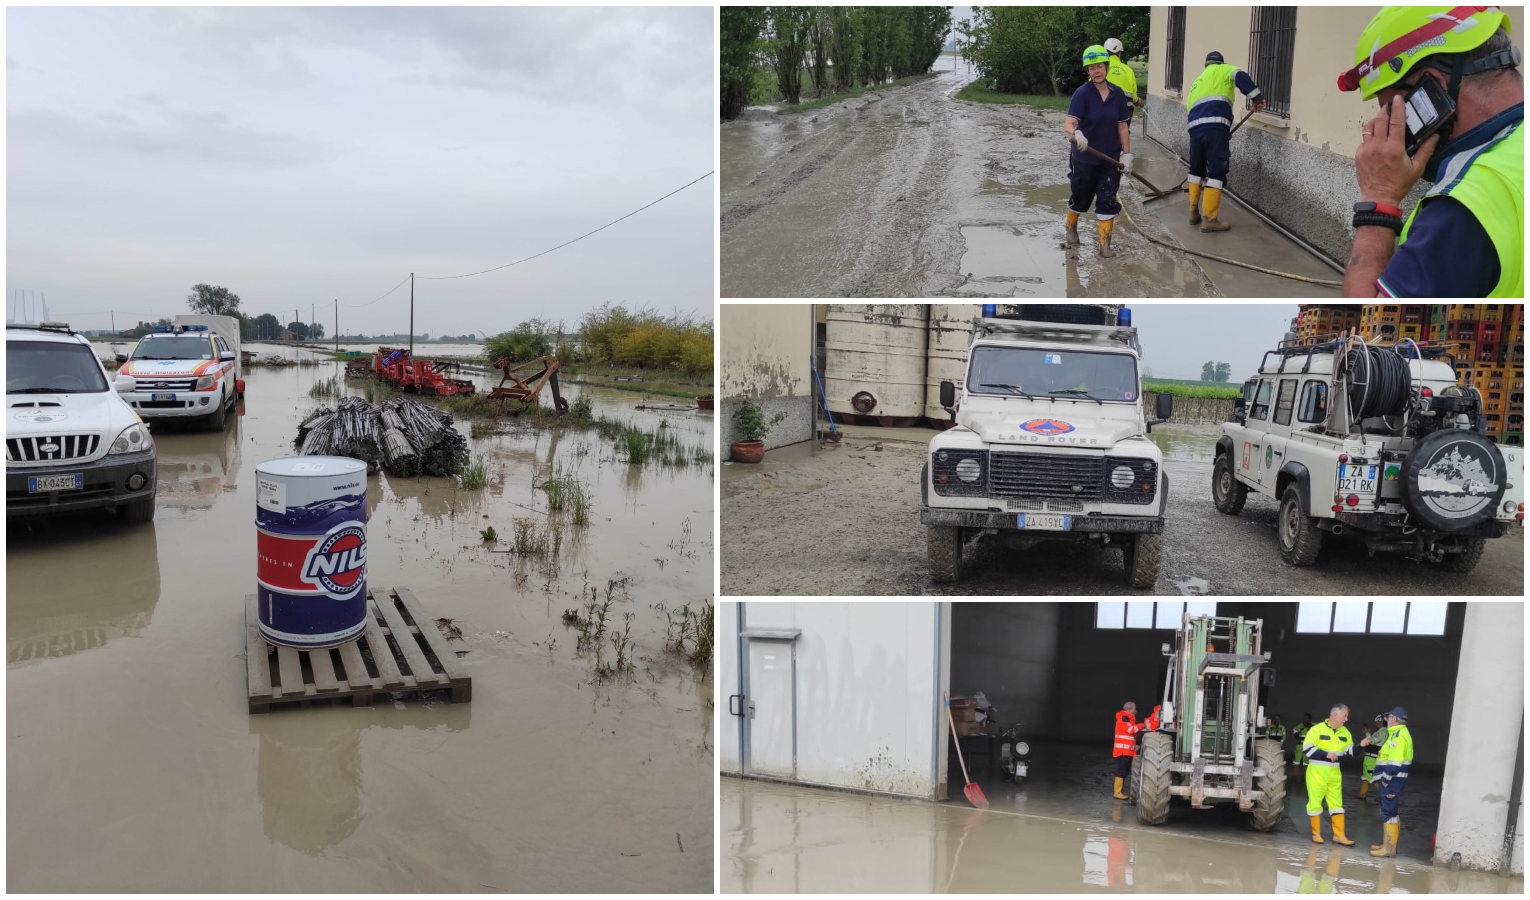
[
  {"x": 751, "y": 426},
  {"x": 704, "y": 401}
]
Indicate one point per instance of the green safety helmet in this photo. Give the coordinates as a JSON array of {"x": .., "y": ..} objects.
[
  {"x": 1096, "y": 55},
  {"x": 1398, "y": 37}
]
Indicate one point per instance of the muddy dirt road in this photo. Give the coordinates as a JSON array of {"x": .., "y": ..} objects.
[
  {"x": 133, "y": 765},
  {"x": 909, "y": 192},
  {"x": 846, "y": 521},
  {"x": 785, "y": 839}
]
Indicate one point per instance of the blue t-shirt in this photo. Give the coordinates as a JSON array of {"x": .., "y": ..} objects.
[
  {"x": 1098, "y": 117},
  {"x": 1448, "y": 254}
]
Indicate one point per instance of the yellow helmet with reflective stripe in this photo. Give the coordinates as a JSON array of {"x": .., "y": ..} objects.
[
  {"x": 1095, "y": 55},
  {"x": 1398, "y": 37}
]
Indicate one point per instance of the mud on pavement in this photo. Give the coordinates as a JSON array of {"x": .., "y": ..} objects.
[
  {"x": 845, "y": 520},
  {"x": 910, "y": 192},
  {"x": 134, "y": 766}
]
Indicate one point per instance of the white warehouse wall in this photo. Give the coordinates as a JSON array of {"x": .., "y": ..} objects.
[
  {"x": 729, "y": 757},
  {"x": 1485, "y": 729},
  {"x": 868, "y": 680}
]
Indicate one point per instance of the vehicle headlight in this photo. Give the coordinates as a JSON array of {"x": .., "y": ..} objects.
[
  {"x": 1122, "y": 477},
  {"x": 206, "y": 382},
  {"x": 134, "y": 439},
  {"x": 969, "y": 470},
  {"x": 1022, "y": 748}
]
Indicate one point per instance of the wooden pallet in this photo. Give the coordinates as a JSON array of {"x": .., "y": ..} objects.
[{"x": 416, "y": 659}]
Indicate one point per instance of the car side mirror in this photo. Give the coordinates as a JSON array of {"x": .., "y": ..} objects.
[
  {"x": 1164, "y": 406},
  {"x": 125, "y": 385},
  {"x": 1240, "y": 409},
  {"x": 947, "y": 395},
  {"x": 226, "y": 356}
]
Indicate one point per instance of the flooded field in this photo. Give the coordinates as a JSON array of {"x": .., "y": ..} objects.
[
  {"x": 844, "y": 519},
  {"x": 134, "y": 766}
]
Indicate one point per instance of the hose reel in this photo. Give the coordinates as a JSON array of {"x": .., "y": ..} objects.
[{"x": 1380, "y": 382}]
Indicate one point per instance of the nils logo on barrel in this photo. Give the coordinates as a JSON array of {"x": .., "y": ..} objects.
[{"x": 338, "y": 563}]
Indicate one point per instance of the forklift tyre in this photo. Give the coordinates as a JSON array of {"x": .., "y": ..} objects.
[
  {"x": 1269, "y": 808},
  {"x": 1150, "y": 777}
]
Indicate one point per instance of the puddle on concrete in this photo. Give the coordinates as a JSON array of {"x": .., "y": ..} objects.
[
  {"x": 1000, "y": 262},
  {"x": 133, "y": 764},
  {"x": 1190, "y": 586},
  {"x": 787, "y": 839}
]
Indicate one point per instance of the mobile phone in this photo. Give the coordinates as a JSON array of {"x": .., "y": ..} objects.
[{"x": 1427, "y": 109}]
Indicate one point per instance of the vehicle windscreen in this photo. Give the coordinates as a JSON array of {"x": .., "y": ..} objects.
[
  {"x": 173, "y": 346},
  {"x": 45, "y": 367},
  {"x": 1025, "y": 371}
]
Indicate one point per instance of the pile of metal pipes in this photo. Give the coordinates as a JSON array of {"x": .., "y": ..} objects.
[{"x": 403, "y": 437}]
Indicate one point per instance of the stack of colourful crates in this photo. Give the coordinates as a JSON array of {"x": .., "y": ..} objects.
[
  {"x": 1317, "y": 321},
  {"x": 1392, "y": 323}
]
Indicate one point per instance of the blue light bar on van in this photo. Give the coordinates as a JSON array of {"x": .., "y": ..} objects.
[
  {"x": 990, "y": 310},
  {"x": 1124, "y": 317}
]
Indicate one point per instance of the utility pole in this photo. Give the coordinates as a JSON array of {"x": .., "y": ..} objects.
[
  {"x": 337, "y": 324},
  {"x": 312, "y": 316},
  {"x": 411, "y": 315}
]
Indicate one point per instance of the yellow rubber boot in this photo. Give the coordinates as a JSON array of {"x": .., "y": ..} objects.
[
  {"x": 1212, "y": 201},
  {"x": 1195, "y": 203},
  {"x": 1364, "y": 787},
  {"x": 1317, "y": 828},
  {"x": 1119, "y": 794},
  {"x": 1105, "y": 226},
  {"x": 1390, "y": 832},
  {"x": 1338, "y": 831},
  {"x": 1073, "y": 235}
]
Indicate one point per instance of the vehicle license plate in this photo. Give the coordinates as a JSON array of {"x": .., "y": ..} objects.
[
  {"x": 1034, "y": 522},
  {"x": 1019, "y": 769},
  {"x": 1357, "y": 479},
  {"x": 161, "y": 396},
  {"x": 39, "y": 484}
]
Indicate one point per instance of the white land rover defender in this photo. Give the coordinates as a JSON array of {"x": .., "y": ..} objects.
[
  {"x": 1377, "y": 441},
  {"x": 1050, "y": 442}
]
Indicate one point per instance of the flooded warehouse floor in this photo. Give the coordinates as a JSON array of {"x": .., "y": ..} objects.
[
  {"x": 911, "y": 192},
  {"x": 133, "y": 764},
  {"x": 844, "y": 519},
  {"x": 780, "y": 838}
]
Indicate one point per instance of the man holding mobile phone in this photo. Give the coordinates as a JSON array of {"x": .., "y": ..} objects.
[{"x": 1465, "y": 238}]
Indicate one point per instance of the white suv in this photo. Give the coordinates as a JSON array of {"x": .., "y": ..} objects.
[{"x": 70, "y": 442}]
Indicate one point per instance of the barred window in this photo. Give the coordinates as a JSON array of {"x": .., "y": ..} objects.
[
  {"x": 1271, "y": 49},
  {"x": 1316, "y": 617},
  {"x": 1174, "y": 72},
  {"x": 1147, "y": 614}
]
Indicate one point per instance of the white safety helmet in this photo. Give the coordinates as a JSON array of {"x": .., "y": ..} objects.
[{"x": 1113, "y": 45}]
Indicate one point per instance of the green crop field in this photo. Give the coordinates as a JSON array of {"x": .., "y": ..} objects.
[{"x": 1183, "y": 388}]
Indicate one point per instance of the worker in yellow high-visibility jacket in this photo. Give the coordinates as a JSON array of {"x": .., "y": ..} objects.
[
  {"x": 1392, "y": 766},
  {"x": 1325, "y": 744}
]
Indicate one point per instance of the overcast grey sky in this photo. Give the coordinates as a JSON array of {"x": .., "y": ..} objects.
[
  {"x": 1177, "y": 338},
  {"x": 298, "y": 155}
]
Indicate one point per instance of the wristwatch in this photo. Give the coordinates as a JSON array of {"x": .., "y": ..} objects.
[{"x": 1369, "y": 212}]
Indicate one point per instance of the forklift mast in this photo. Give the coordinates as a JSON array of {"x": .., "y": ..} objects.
[{"x": 1211, "y": 692}]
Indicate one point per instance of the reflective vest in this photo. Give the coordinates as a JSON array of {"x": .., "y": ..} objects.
[
  {"x": 1122, "y": 76},
  {"x": 1210, "y": 91},
  {"x": 1323, "y": 739},
  {"x": 1276, "y": 733},
  {"x": 1490, "y": 181},
  {"x": 1396, "y": 755},
  {"x": 1126, "y": 734}
]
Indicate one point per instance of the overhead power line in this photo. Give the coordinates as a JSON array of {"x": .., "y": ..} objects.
[{"x": 574, "y": 240}]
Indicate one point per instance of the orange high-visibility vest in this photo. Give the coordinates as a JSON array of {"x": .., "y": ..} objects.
[
  {"x": 1126, "y": 734},
  {"x": 1152, "y": 720}
]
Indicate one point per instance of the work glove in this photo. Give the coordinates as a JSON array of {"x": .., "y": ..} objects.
[
  {"x": 1126, "y": 162},
  {"x": 1079, "y": 141}
]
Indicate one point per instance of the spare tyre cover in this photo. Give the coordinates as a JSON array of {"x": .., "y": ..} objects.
[{"x": 1454, "y": 480}]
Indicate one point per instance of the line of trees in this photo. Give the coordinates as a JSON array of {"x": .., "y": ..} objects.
[
  {"x": 1038, "y": 49},
  {"x": 834, "y": 47},
  {"x": 615, "y": 336}
]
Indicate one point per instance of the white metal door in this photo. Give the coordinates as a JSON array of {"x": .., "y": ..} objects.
[{"x": 771, "y": 709}]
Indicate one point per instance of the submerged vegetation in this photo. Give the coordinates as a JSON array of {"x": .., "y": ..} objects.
[
  {"x": 689, "y": 634},
  {"x": 475, "y": 474}
]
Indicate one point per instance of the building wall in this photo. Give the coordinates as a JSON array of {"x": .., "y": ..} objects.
[
  {"x": 1009, "y": 652},
  {"x": 1297, "y": 171},
  {"x": 766, "y": 356},
  {"x": 1488, "y": 729},
  {"x": 729, "y": 752},
  {"x": 869, "y": 678}
]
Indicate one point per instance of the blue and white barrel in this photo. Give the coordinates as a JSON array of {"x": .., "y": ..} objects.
[{"x": 311, "y": 550}]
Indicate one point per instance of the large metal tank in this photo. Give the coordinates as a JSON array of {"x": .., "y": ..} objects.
[
  {"x": 874, "y": 361},
  {"x": 946, "y": 360}
]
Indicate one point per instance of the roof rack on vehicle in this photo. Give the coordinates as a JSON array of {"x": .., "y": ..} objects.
[
  {"x": 1055, "y": 331},
  {"x": 51, "y": 327}
]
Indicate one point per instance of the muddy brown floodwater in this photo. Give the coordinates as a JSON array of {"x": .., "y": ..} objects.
[
  {"x": 786, "y": 839},
  {"x": 909, "y": 192},
  {"x": 845, "y": 520},
  {"x": 134, "y": 766}
]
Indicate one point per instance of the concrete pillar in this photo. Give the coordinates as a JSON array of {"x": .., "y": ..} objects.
[{"x": 1485, "y": 730}]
